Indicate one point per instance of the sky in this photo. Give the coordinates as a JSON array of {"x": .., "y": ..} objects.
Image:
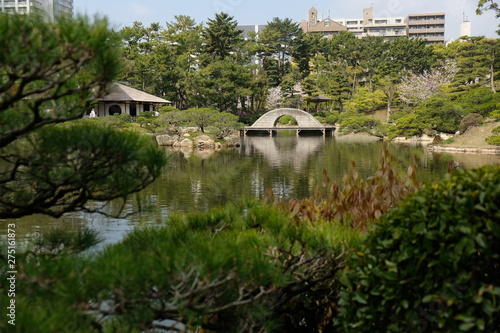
[{"x": 122, "y": 13}]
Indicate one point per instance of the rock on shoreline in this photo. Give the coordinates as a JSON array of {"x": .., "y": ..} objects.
[{"x": 202, "y": 141}]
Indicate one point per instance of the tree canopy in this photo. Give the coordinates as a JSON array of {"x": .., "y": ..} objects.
[{"x": 53, "y": 74}]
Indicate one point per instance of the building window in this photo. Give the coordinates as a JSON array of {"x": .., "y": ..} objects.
[{"x": 115, "y": 109}]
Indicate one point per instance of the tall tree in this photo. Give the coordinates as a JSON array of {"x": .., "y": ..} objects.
[
  {"x": 52, "y": 74},
  {"x": 278, "y": 42},
  {"x": 477, "y": 63},
  {"x": 181, "y": 49},
  {"x": 222, "y": 37},
  {"x": 372, "y": 57},
  {"x": 344, "y": 48},
  {"x": 139, "y": 52}
]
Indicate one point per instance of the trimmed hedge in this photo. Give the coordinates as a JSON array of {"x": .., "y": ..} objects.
[{"x": 432, "y": 264}]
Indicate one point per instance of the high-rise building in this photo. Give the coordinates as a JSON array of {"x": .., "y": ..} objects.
[{"x": 50, "y": 10}]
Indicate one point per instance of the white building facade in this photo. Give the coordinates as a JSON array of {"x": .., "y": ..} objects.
[
  {"x": 430, "y": 27},
  {"x": 50, "y": 10},
  {"x": 387, "y": 27}
]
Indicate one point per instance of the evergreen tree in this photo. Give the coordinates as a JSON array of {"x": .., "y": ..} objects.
[
  {"x": 53, "y": 73},
  {"x": 222, "y": 38},
  {"x": 278, "y": 41},
  {"x": 140, "y": 47},
  {"x": 182, "y": 48},
  {"x": 477, "y": 63}
]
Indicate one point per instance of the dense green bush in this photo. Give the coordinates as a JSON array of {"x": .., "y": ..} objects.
[
  {"x": 479, "y": 100},
  {"x": 223, "y": 124},
  {"x": 493, "y": 140},
  {"x": 441, "y": 113},
  {"x": 495, "y": 114},
  {"x": 470, "y": 120},
  {"x": 407, "y": 126},
  {"x": 331, "y": 118},
  {"x": 364, "y": 100},
  {"x": 147, "y": 119},
  {"x": 351, "y": 122},
  {"x": 432, "y": 264},
  {"x": 114, "y": 121},
  {"x": 287, "y": 120},
  {"x": 168, "y": 108}
]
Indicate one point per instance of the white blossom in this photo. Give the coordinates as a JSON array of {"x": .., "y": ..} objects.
[{"x": 417, "y": 88}]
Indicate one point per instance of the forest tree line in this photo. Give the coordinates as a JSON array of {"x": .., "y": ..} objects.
[{"x": 212, "y": 65}]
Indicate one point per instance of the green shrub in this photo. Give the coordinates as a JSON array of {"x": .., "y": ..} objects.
[
  {"x": 470, "y": 120},
  {"x": 146, "y": 119},
  {"x": 168, "y": 108},
  {"x": 448, "y": 141},
  {"x": 496, "y": 130},
  {"x": 407, "y": 126},
  {"x": 114, "y": 121},
  {"x": 441, "y": 113},
  {"x": 287, "y": 120},
  {"x": 125, "y": 117},
  {"x": 479, "y": 100},
  {"x": 332, "y": 118},
  {"x": 493, "y": 140},
  {"x": 495, "y": 114},
  {"x": 395, "y": 115},
  {"x": 351, "y": 122},
  {"x": 320, "y": 119},
  {"x": 432, "y": 264}
]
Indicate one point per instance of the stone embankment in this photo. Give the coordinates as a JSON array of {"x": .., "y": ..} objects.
[
  {"x": 202, "y": 141},
  {"x": 464, "y": 150}
]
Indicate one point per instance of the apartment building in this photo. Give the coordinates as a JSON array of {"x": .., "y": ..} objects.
[
  {"x": 50, "y": 10},
  {"x": 387, "y": 27},
  {"x": 427, "y": 26}
]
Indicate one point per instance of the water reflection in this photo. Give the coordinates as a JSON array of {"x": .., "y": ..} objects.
[
  {"x": 287, "y": 150},
  {"x": 292, "y": 166}
]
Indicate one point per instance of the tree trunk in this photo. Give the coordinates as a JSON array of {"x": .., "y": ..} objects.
[
  {"x": 492, "y": 77},
  {"x": 388, "y": 108}
]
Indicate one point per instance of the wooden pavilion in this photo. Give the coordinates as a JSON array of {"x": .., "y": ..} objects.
[{"x": 123, "y": 99}]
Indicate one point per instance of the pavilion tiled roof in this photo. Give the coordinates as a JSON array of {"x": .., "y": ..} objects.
[{"x": 121, "y": 93}]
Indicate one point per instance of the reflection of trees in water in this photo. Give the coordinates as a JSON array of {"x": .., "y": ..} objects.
[{"x": 291, "y": 166}]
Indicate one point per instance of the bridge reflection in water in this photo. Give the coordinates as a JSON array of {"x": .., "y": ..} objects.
[
  {"x": 305, "y": 123},
  {"x": 296, "y": 152}
]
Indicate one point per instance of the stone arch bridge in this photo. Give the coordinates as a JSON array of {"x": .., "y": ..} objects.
[{"x": 305, "y": 122}]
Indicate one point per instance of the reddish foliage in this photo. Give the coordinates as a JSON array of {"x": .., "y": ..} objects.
[{"x": 358, "y": 201}]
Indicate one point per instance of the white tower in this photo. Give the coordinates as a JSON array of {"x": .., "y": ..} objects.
[{"x": 465, "y": 28}]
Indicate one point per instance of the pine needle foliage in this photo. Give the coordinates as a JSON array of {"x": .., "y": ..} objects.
[{"x": 241, "y": 268}]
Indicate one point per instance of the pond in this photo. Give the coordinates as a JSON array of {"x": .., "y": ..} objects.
[{"x": 197, "y": 180}]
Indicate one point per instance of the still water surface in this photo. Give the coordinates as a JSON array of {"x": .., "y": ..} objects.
[{"x": 291, "y": 166}]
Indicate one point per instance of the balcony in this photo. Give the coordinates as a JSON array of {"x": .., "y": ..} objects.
[
  {"x": 426, "y": 30},
  {"x": 425, "y": 22}
]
